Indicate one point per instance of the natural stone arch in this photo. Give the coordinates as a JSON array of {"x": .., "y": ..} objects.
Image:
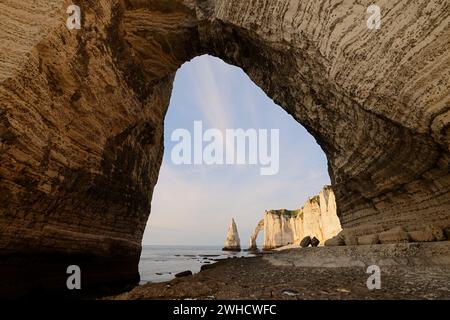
[
  {"x": 82, "y": 113},
  {"x": 259, "y": 227}
]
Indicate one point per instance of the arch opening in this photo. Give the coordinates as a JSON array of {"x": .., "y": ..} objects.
[{"x": 193, "y": 203}]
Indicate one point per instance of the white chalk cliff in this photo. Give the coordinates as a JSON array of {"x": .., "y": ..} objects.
[
  {"x": 317, "y": 218},
  {"x": 232, "y": 242}
]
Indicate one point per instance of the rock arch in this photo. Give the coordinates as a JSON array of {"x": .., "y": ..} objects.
[
  {"x": 259, "y": 227},
  {"x": 81, "y": 115}
]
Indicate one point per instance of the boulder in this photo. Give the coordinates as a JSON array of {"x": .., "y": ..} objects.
[
  {"x": 350, "y": 240},
  {"x": 315, "y": 242},
  {"x": 306, "y": 241},
  {"x": 186, "y": 273},
  {"x": 348, "y": 237},
  {"x": 437, "y": 232},
  {"x": 394, "y": 235},
  {"x": 421, "y": 236},
  {"x": 368, "y": 239},
  {"x": 335, "y": 241}
]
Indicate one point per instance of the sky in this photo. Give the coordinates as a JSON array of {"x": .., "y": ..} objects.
[{"x": 194, "y": 204}]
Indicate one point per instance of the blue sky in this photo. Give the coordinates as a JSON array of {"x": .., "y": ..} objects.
[{"x": 193, "y": 204}]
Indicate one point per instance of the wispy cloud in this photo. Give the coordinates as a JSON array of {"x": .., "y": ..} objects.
[{"x": 210, "y": 97}]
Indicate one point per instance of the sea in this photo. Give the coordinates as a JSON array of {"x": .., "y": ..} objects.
[{"x": 162, "y": 263}]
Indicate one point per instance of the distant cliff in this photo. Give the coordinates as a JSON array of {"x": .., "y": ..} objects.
[{"x": 317, "y": 218}]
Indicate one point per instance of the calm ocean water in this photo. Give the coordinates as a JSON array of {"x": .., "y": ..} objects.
[{"x": 161, "y": 263}]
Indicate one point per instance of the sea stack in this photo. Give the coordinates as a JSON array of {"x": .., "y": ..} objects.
[{"x": 233, "y": 242}]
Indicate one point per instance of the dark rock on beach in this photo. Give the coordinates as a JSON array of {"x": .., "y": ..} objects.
[
  {"x": 305, "y": 242},
  {"x": 184, "y": 274},
  {"x": 315, "y": 242}
]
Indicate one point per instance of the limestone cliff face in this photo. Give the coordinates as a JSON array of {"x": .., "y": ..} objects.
[
  {"x": 232, "y": 242},
  {"x": 329, "y": 220},
  {"x": 317, "y": 218},
  {"x": 81, "y": 115}
]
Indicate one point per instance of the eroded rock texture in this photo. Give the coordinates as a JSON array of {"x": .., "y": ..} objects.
[{"x": 81, "y": 115}]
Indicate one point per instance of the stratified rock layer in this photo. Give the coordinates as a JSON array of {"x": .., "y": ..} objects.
[{"x": 81, "y": 116}]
